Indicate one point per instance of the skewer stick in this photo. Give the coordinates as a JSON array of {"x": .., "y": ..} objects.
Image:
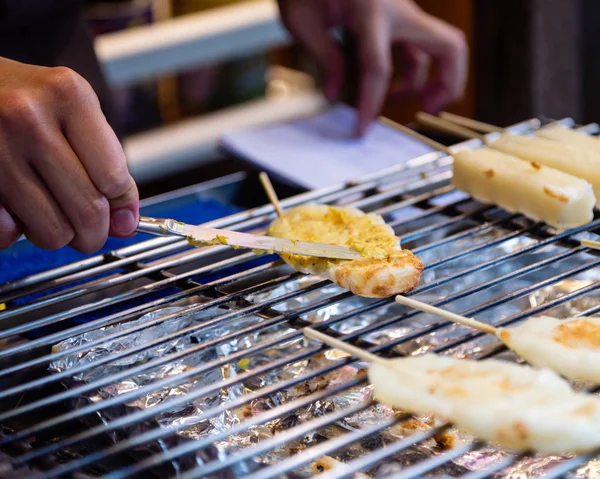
[
  {"x": 417, "y": 136},
  {"x": 446, "y": 126},
  {"x": 591, "y": 244},
  {"x": 270, "y": 191},
  {"x": 336, "y": 343},
  {"x": 471, "y": 124},
  {"x": 456, "y": 318}
]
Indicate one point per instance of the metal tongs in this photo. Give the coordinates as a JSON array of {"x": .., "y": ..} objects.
[{"x": 201, "y": 236}]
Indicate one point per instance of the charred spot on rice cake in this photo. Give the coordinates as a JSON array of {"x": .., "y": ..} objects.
[{"x": 578, "y": 333}]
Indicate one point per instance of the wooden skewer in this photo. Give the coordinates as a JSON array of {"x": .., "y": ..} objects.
[
  {"x": 591, "y": 244},
  {"x": 270, "y": 191},
  {"x": 336, "y": 343},
  {"x": 428, "y": 141},
  {"x": 456, "y": 318},
  {"x": 447, "y": 126},
  {"x": 471, "y": 124}
]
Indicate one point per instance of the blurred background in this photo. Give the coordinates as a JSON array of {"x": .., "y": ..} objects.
[{"x": 184, "y": 71}]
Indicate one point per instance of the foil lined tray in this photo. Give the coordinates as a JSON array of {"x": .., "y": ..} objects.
[{"x": 193, "y": 428}]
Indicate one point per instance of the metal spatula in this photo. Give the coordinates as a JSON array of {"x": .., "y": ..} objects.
[{"x": 203, "y": 235}]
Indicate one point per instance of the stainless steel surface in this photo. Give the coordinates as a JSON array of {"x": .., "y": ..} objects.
[
  {"x": 194, "y": 364},
  {"x": 204, "y": 236}
]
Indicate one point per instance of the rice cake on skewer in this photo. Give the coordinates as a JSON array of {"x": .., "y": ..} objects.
[
  {"x": 515, "y": 406},
  {"x": 570, "y": 136},
  {"x": 570, "y": 347},
  {"x": 537, "y": 191},
  {"x": 566, "y": 157},
  {"x": 554, "y": 146},
  {"x": 385, "y": 268},
  {"x": 534, "y": 190}
]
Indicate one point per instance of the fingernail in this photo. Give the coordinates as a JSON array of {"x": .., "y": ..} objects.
[{"x": 122, "y": 222}]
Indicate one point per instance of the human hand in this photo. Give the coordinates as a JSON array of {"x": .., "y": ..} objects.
[
  {"x": 380, "y": 27},
  {"x": 63, "y": 174}
]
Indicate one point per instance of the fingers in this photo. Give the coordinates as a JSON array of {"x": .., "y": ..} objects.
[
  {"x": 11, "y": 229},
  {"x": 67, "y": 180},
  {"x": 416, "y": 69},
  {"x": 311, "y": 31},
  {"x": 63, "y": 174},
  {"x": 44, "y": 223},
  {"x": 447, "y": 87},
  {"x": 447, "y": 47},
  {"x": 99, "y": 151},
  {"x": 375, "y": 60}
]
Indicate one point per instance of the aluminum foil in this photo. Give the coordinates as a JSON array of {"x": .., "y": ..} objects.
[
  {"x": 443, "y": 339},
  {"x": 407, "y": 335}
]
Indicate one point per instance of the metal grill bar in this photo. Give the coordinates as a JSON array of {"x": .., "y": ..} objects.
[
  {"x": 59, "y": 336},
  {"x": 425, "y": 230},
  {"x": 365, "y": 462},
  {"x": 331, "y": 446},
  {"x": 326, "y": 195},
  {"x": 97, "y": 324},
  {"x": 111, "y": 265},
  {"x": 414, "y": 471},
  {"x": 240, "y": 221},
  {"x": 461, "y": 295},
  {"x": 410, "y": 472},
  {"x": 256, "y": 218},
  {"x": 568, "y": 466},
  {"x": 206, "y": 325},
  {"x": 133, "y": 313},
  {"x": 387, "y": 345},
  {"x": 193, "y": 446},
  {"x": 264, "y": 446},
  {"x": 513, "y": 319},
  {"x": 302, "y": 402},
  {"x": 494, "y": 468},
  {"x": 236, "y": 314},
  {"x": 89, "y": 345},
  {"x": 428, "y": 466},
  {"x": 79, "y": 291}
]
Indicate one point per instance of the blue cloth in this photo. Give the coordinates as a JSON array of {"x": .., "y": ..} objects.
[{"x": 24, "y": 259}]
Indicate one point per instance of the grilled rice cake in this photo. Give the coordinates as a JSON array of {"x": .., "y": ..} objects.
[
  {"x": 570, "y": 347},
  {"x": 511, "y": 405},
  {"x": 385, "y": 268}
]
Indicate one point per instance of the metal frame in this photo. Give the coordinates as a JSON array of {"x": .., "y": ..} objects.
[{"x": 385, "y": 192}]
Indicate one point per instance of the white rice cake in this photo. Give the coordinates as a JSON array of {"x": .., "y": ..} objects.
[
  {"x": 537, "y": 191},
  {"x": 516, "y": 407},
  {"x": 568, "y": 157},
  {"x": 570, "y": 347},
  {"x": 569, "y": 136}
]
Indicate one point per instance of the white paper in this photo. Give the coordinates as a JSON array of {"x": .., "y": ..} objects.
[{"x": 319, "y": 151}]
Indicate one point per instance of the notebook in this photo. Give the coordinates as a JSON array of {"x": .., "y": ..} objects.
[{"x": 320, "y": 151}]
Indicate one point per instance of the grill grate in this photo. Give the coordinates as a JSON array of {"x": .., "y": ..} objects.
[{"x": 480, "y": 261}]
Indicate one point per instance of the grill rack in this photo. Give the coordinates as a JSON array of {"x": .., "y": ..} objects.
[{"x": 56, "y": 297}]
